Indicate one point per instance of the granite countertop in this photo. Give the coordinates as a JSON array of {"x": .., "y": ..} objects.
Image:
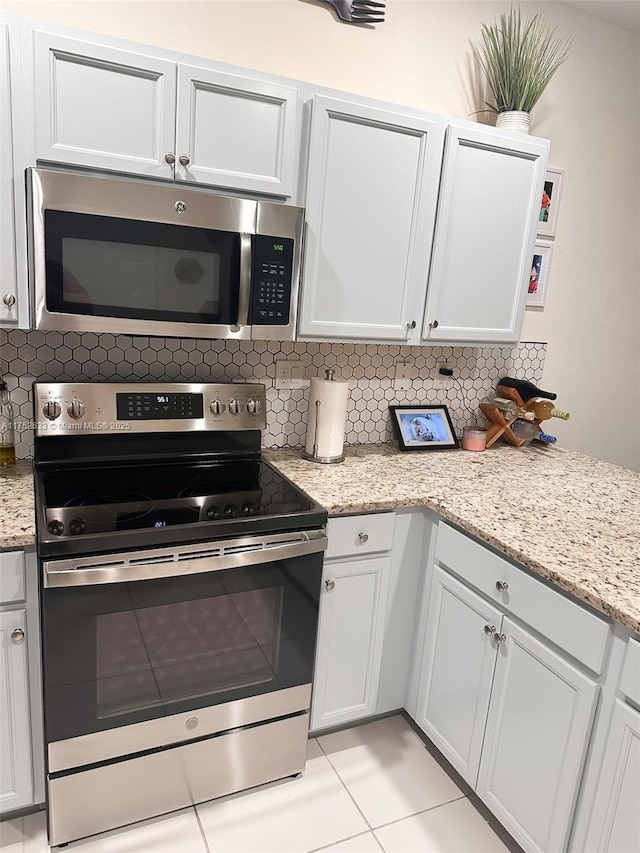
[
  {"x": 17, "y": 515},
  {"x": 570, "y": 518}
]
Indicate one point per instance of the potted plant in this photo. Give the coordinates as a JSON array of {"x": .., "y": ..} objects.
[{"x": 518, "y": 54}]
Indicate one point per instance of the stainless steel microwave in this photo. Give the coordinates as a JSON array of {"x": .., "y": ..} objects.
[{"x": 137, "y": 257}]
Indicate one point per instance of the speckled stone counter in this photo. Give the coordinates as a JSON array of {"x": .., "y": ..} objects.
[
  {"x": 570, "y": 518},
  {"x": 17, "y": 518}
]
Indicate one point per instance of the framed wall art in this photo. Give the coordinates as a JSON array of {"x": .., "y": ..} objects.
[
  {"x": 423, "y": 427},
  {"x": 550, "y": 202},
  {"x": 539, "y": 276}
]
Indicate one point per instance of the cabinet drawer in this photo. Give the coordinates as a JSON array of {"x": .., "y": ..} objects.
[
  {"x": 573, "y": 628},
  {"x": 12, "y": 583},
  {"x": 360, "y": 534},
  {"x": 630, "y": 678}
]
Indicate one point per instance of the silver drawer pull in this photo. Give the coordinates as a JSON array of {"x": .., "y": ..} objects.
[
  {"x": 329, "y": 585},
  {"x": 500, "y": 638},
  {"x": 363, "y": 538},
  {"x": 170, "y": 158},
  {"x": 183, "y": 159},
  {"x": 502, "y": 586},
  {"x": 489, "y": 630},
  {"x": 17, "y": 636},
  {"x": 9, "y": 300}
]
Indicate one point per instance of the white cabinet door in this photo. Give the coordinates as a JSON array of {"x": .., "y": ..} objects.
[
  {"x": 16, "y": 780},
  {"x": 235, "y": 132},
  {"x": 460, "y": 655},
  {"x": 372, "y": 185},
  {"x": 101, "y": 107},
  {"x": 352, "y": 609},
  {"x": 484, "y": 236},
  {"x": 8, "y": 288},
  {"x": 538, "y": 727},
  {"x": 615, "y": 823}
]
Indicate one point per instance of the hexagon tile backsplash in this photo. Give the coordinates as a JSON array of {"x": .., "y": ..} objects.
[{"x": 26, "y": 357}]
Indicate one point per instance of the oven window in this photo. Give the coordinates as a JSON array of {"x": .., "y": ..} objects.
[
  {"x": 110, "y": 267},
  {"x": 129, "y": 652},
  {"x": 156, "y": 656}
]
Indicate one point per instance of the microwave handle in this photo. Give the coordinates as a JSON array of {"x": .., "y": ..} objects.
[{"x": 244, "y": 290}]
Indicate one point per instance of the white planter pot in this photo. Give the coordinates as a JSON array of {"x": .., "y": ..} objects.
[{"x": 514, "y": 120}]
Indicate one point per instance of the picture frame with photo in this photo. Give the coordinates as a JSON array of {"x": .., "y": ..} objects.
[
  {"x": 423, "y": 427},
  {"x": 550, "y": 202},
  {"x": 539, "y": 276}
]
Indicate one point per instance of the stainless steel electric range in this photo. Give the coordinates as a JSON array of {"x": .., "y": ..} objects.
[{"x": 180, "y": 578}]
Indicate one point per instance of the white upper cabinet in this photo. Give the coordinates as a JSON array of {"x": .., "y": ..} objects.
[
  {"x": 235, "y": 132},
  {"x": 104, "y": 107},
  {"x": 101, "y": 107},
  {"x": 372, "y": 186},
  {"x": 8, "y": 291},
  {"x": 485, "y": 232}
]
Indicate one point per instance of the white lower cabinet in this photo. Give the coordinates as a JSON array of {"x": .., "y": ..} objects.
[
  {"x": 615, "y": 821},
  {"x": 459, "y": 661},
  {"x": 538, "y": 726},
  {"x": 16, "y": 777},
  {"x": 511, "y": 713},
  {"x": 350, "y": 633}
]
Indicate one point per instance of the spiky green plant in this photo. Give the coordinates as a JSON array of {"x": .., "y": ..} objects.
[{"x": 519, "y": 55}]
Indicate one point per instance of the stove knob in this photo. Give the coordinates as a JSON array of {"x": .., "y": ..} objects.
[
  {"x": 56, "y": 527},
  {"x": 76, "y": 409},
  {"x": 235, "y": 407},
  {"x": 213, "y": 512},
  {"x": 51, "y": 410},
  {"x": 217, "y": 407},
  {"x": 247, "y": 509},
  {"x": 254, "y": 407},
  {"x": 229, "y": 510},
  {"x": 77, "y": 526}
]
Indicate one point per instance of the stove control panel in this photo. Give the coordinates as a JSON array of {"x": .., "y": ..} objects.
[{"x": 64, "y": 408}]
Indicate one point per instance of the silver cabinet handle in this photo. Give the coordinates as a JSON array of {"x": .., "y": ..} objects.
[
  {"x": 183, "y": 159},
  {"x": 170, "y": 158},
  {"x": 330, "y": 585},
  {"x": 502, "y": 586},
  {"x": 9, "y": 300},
  {"x": 434, "y": 324},
  {"x": 489, "y": 630},
  {"x": 17, "y": 636},
  {"x": 412, "y": 324},
  {"x": 363, "y": 538},
  {"x": 500, "y": 638}
]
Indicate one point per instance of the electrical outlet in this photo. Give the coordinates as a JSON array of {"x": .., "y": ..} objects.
[
  {"x": 290, "y": 374},
  {"x": 440, "y": 380},
  {"x": 404, "y": 374}
]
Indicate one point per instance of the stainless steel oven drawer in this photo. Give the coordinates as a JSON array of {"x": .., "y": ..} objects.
[{"x": 96, "y": 800}]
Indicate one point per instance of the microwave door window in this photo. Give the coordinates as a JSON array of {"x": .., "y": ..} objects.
[{"x": 111, "y": 267}]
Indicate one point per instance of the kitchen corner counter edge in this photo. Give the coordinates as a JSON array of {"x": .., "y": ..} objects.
[{"x": 569, "y": 518}]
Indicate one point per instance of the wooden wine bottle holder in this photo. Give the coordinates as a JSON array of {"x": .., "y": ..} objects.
[{"x": 500, "y": 426}]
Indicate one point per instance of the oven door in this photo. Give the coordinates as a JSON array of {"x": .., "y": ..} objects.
[{"x": 209, "y": 640}]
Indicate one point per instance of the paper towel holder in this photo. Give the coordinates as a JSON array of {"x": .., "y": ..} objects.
[{"x": 313, "y": 457}]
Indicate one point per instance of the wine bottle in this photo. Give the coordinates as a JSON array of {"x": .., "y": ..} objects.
[
  {"x": 544, "y": 409},
  {"x": 528, "y": 432},
  {"x": 509, "y": 408},
  {"x": 526, "y": 389}
]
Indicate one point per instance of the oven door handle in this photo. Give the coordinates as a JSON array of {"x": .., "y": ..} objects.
[{"x": 182, "y": 560}]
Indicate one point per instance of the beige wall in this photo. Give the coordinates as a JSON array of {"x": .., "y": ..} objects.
[{"x": 420, "y": 56}]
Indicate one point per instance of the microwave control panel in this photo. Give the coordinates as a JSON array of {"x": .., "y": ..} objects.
[{"x": 271, "y": 276}]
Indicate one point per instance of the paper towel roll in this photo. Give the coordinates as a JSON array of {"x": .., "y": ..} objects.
[{"x": 326, "y": 419}]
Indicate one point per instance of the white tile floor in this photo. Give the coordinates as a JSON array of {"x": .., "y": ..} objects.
[{"x": 367, "y": 789}]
